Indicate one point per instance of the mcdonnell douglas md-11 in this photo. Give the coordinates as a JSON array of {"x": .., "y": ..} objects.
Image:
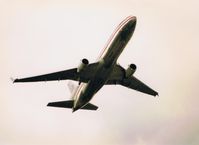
[{"x": 105, "y": 71}]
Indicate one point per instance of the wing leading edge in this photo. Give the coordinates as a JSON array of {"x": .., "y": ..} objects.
[
  {"x": 61, "y": 75},
  {"x": 70, "y": 74},
  {"x": 118, "y": 77}
]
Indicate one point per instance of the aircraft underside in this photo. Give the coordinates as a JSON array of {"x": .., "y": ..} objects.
[{"x": 92, "y": 77}]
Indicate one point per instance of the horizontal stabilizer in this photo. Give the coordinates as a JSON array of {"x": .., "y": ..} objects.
[
  {"x": 90, "y": 106},
  {"x": 62, "y": 104},
  {"x": 69, "y": 104}
]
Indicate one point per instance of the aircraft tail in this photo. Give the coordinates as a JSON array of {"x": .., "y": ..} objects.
[
  {"x": 69, "y": 104},
  {"x": 71, "y": 86}
]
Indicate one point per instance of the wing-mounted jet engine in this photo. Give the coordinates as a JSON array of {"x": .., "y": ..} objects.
[
  {"x": 84, "y": 63},
  {"x": 130, "y": 70}
]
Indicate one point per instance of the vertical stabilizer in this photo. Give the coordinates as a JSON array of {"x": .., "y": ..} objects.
[{"x": 72, "y": 87}]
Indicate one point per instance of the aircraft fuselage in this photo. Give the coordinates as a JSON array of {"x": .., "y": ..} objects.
[{"x": 107, "y": 60}]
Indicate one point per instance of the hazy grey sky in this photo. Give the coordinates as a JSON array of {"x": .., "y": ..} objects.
[{"x": 41, "y": 36}]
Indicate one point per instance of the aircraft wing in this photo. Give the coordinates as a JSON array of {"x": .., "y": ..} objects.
[
  {"x": 118, "y": 77},
  {"x": 71, "y": 74},
  {"x": 134, "y": 83}
]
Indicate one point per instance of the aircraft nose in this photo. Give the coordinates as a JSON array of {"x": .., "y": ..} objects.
[
  {"x": 132, "y": 24},
  {"x": 133, "y": 21},
  {"x": 134, "y": 18}
]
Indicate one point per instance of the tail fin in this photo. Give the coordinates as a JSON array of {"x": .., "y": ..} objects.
[
  {"x": 69, "y": 104},
  {"x": 71, "y": 86}
]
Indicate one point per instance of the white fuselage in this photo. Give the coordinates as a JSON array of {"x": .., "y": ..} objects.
[{"x": 107, "y": 60}]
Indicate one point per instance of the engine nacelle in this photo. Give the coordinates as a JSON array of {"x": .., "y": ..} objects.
[
  {"x": 130, "y": 70},
  {"x": 84, "y": 63}
]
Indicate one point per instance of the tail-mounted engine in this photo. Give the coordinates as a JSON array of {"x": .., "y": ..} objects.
[
  {"x": 130, "y": 70},
  {"x": 84, "y": 63}
]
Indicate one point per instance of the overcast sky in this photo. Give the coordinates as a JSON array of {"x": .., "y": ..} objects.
[{"x": 43, "y": 36}]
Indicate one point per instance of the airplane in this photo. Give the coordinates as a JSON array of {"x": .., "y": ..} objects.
[{"x": 105, "y": 71}]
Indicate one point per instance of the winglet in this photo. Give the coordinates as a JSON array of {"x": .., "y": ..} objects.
[
  {"x": 71, "y": 86},
  {"x": 156, "y": 94},
  {"x": 13, "y": 80}
]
